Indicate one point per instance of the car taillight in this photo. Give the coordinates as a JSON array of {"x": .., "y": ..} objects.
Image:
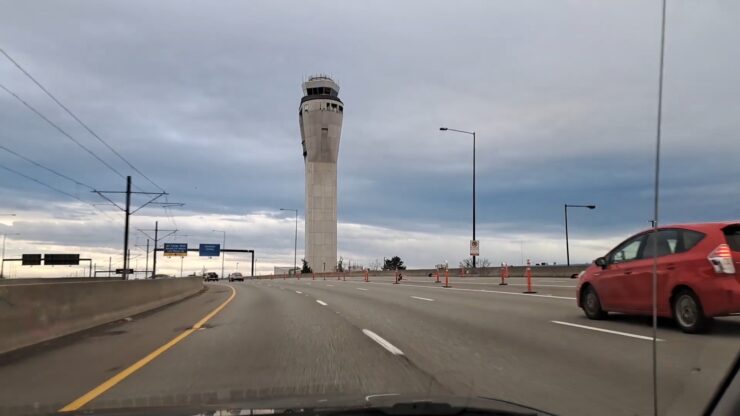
[{"x": 721, "y": 259}]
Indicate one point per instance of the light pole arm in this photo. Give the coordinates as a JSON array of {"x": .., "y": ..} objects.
[{"x": 459, "y": 131}]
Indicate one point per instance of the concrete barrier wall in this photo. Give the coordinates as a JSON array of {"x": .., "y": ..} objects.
[{"x": 36, "y": 312}]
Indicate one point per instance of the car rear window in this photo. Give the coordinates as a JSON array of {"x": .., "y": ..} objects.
[{"x": 732, "y": 235}]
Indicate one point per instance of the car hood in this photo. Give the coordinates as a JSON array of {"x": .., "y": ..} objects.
[{"x": 374, "y": 404}]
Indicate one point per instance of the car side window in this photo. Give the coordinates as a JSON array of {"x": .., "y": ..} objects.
[
  {"x": 671, "y": 241},
  {"x": 628, "y": 251},
  {"x": 691, "y": 238},
  {"x": 668, "y": 242}
]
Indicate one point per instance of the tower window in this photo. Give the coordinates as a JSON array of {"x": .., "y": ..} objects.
[{"x": 341, "y": 109}]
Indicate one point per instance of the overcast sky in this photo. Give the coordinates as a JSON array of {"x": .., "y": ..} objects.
[{"x": 202, "y": 97}]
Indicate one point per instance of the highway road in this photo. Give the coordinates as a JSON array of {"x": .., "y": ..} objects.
[{"x": 324, "y": 339}]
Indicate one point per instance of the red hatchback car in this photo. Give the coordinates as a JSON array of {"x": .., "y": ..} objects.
[{"x": 697, "y": 270}]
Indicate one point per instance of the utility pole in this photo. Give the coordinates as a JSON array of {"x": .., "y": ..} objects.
[
  {"x": 127, "y": 211},
  {"x": 154, "y": 261},
  {"x": 156, "y": 239},
  {"x": 146, "y": 264},
  {"x": 125, "y": 232}
]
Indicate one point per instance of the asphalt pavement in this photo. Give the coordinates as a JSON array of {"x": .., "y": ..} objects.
[{"x": 325, "y": 339}]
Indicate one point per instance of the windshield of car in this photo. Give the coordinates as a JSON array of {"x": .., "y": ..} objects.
[{"x": 209, "y": 206}]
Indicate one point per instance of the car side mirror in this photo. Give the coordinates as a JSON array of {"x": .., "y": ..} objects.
[{"x": 601, "y": 262}]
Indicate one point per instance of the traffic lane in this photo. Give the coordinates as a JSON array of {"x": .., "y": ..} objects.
[
  {"x": 521, "y": 329},
  {"x": 484, "y": 351},
  {"x": 700, "y": 361},
  {"x": 271, "y": 343},
  {"x": 725, "y": 327},
  {"x": 51, "y": 375}
]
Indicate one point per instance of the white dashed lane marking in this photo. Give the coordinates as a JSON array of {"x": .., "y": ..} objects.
[
  {"x": 608, "y": 331},
  {"x": 383, "y": 343}
]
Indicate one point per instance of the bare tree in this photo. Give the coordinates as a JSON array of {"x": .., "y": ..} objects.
[{"x": 482, "y": 264}]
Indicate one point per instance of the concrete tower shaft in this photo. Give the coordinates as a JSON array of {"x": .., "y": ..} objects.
[{"x": 320, "y": 118}]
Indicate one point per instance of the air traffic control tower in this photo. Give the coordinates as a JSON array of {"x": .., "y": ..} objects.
[{"x": 320, "y": 117}]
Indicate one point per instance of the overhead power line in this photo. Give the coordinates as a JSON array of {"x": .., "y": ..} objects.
[
  {"x": 30, "y": 178},
  {"x": 40, "y": 182},
  {"x": 33, "y": 162},
  {"x": 43, "y": 117},
  {"x": 77, "y": 119}
]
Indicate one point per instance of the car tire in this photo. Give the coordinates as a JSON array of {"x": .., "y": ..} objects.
[
  {"x": 591, "y": 304},
  {"x": 688, "y": 313}
]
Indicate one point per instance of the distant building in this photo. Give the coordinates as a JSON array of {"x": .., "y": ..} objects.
[
  {"x": 283, "y": 270},
  {"x": 320, "y": 118}
]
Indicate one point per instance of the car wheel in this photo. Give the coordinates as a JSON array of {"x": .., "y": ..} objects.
[
  {"x": 688, "y": 313},
  {"x": 592, "y": 305}
]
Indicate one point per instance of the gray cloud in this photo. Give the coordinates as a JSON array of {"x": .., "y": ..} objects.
[{"x": 203, "y": 99}]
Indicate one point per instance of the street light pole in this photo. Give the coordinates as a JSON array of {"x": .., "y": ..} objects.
[
  {"x": 2, "y": 263},
  {"x": 223, "y": 247},
  {"x": 295, "y": 244},
  {"x": 567, "y": 244},
  {"x": 472, "y": 133},
  {"x": 473, "y": 195}
]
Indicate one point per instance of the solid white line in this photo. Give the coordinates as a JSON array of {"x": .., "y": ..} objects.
[
  {"x": 298, "y": 292},
  {"x": 534, "y": 285},
  {"x": 626, "y": 334},
  {"x": 539, "y": 285},
  {"x": 321, "y": 302},
  {"x": 330, "y": 285},
  {"x": 420, "y": 298},
  {"x": 480, "y": 291},
  {"x": 359, "y": 288},
  {"x": 383, "y": 343}
]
